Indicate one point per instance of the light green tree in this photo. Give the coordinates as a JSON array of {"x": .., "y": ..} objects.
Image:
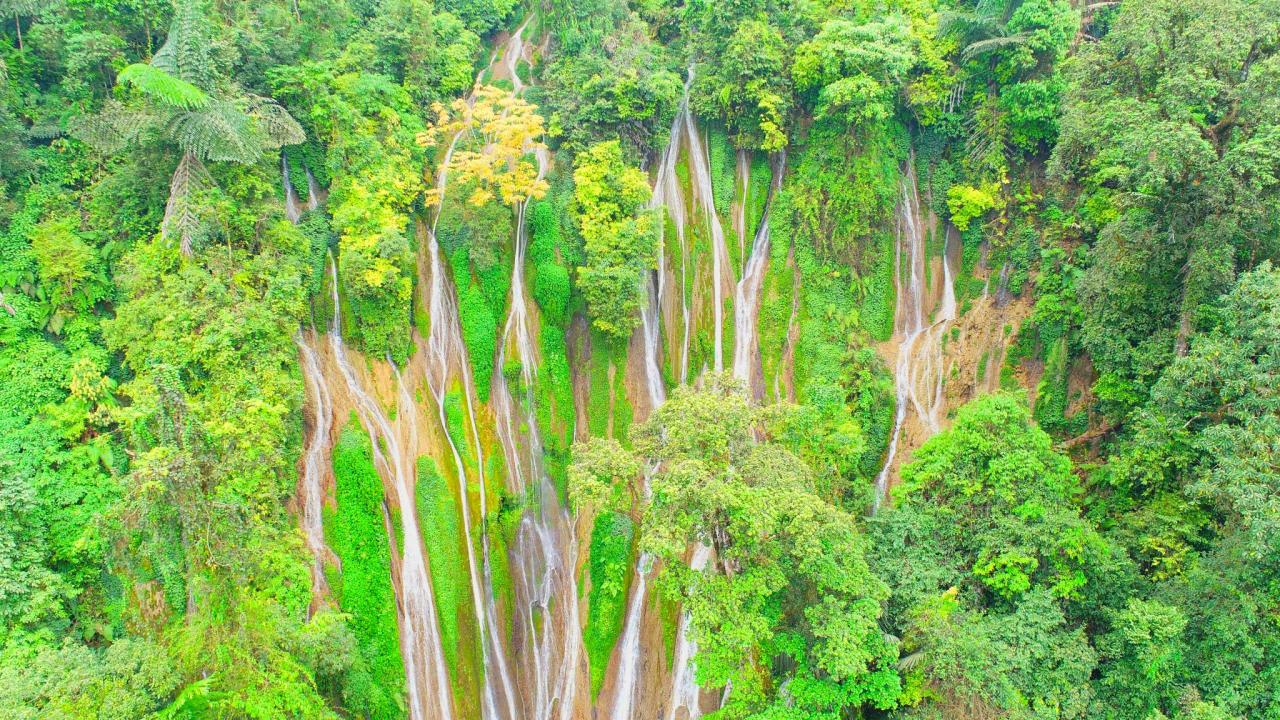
[{"x": 609, "y": 200}]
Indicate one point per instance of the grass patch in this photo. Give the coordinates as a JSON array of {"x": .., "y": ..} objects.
[
  {"x": 609, "y": 564},
  {"x": 357, "y": 533},
  {"x": 440, "y": 518}
]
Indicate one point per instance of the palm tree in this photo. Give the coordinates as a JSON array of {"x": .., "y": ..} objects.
[
  {"x": 983, "y": 29},
  {"x": 206, "y": 117}
]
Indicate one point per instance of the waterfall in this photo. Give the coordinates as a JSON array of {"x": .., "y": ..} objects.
[
  {"x": 315, "y": 463},
  {"x": 428, "y": 685},
  {"x": 313, "y": 191},
  {"x": 746, "y": 303},
  {"x": 668, "y": 194},
  {"x": 740, "y": 208},
  {"x": 292, "y": 204},
  {"x": 316, "y": 456},
  {"x": 700, "y": 176},
  {"x": 545, "y": 542},
  {"x": 546, "y": 547},
  {"x": 684, "y": 682},
  {"x": 918, "y": 370},
  {"x": 444, "y": 347}
]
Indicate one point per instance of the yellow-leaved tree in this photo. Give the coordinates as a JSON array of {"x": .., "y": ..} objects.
[{"x": 495, "y": 133}]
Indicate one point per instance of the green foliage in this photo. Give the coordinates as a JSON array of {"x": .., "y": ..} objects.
[
  {"x": 853, "y": 68},
  {"x": 790, "y": 585},
  {"x": 616, "y": 89},
  {"x": 984, "y": 544},
  {"x": 746, "y": 86},
  {"x": 620, "y": 241},
  {"x": 1116, "y": 161},
  {"x": 357, "y": 533},
  {"x": 128, "y": 679},
  {"x": 1193, "y": 194},
  {"x": 438, "y": 514},
  {"x": 479, "y": 335},
  {"x": 994, "y": 463},
  {"x": 480, "y": 16},
  {"x": 966, "y": 203},
  {"x": 609, "y": 568}
]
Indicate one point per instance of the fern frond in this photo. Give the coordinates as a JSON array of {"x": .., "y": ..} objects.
[
  {"x": 14, "y": 8},
  {"x": 276, "y": 123},
  {"x": 983, "y": 47},
  {"x": 910, "y": 661},
  {"x": 219, "y": 132},
  {"x": 46, "y": 131},
  {"x": 966, "y": 23},
  {"x": 111, "y": 130},
  {"x": 185, "y": 53},
  {"x": 163, "y": 87},
  {"x": 181, "y": 214}
]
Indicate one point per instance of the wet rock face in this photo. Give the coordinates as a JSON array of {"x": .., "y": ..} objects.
[{"x": 521, "y": 606}]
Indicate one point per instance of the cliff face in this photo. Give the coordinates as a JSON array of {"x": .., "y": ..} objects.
[{"x": 492, "y": 570}]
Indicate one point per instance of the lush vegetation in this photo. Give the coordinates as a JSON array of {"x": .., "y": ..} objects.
[{"x": 1098, "y": 538}]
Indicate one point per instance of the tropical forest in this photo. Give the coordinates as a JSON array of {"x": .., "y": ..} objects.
[{"x": 640, "y": 359}]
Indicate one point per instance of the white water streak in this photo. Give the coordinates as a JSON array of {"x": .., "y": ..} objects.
[
  {"x": 746, "y": 304},
  {"x": 667, "y": 194},
  {"x": 546, "y": 547},
  {"x": 292, "y": 204},
  {"x": 315, "y": 463},
  {"x": 419, "y": 628},
  {"x": 444, "y": 344},
  {"x": 918, "y": 370},
  {"x": 684, "y": 683},
  {"x": 700, "y": 176}
]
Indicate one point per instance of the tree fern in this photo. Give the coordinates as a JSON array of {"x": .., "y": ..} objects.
[
  {"x": 163, "y": 87},
  {"x": 181, "y": 214},
  {"x": 220, "y": 132},
  {"x": 277, "y": 125},
  {"x": 111, "y": 130},
  {"x": 185, "y": 53},
  {"x": 991, "y": 44}
]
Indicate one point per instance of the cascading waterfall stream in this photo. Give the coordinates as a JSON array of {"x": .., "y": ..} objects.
[
  {"x": 746, "y": 304},
  {"x": 668, "y": 194},
  {"x": 918, "y": 369},
  {"x": 316, "y": 456},
  {"x": 545, "y": 547},
  {"x": 428, "y": 686},
  {"x": 684, "y": 682},
  {"x": 315, "y": 462},
  {"x": 743, "y": 172},
  {"x": 292, "y": 203},
  {"x": 445, "y": 349},
  {"x": 700, "y": 177}
]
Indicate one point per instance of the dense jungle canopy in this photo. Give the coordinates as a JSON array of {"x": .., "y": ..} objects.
[{"x": 640, "y": 359}]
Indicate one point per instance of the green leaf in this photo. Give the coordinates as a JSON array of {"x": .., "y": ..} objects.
[{"x": 164, "y": 87}]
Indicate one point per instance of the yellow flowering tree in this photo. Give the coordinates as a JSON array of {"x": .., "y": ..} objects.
[{"x": 495, "y": 133}]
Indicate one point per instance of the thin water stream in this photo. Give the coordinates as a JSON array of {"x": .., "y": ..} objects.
[
  {"x": 394, "y": 453},
  {"x": 919, "y": 368},
  {"x": 746, "y": 304},
  {"x": 721, "y": 272}
]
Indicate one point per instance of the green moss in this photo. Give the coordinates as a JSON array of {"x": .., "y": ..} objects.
[
  {"x": 723, "y": 161},
  {"x": 757, "y": 192},
  {"x": 609, "y": 564},
  {"x": 551, "y": 291},
  {"x": 357, "y": 533},
  {"x": 479, "y": 335},
  {"x": 553, "y": 397},
  {"x": 1051, "y": 394},
  {"x": 880, "y": 295},
  {"x": 440, "y": 519}
]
